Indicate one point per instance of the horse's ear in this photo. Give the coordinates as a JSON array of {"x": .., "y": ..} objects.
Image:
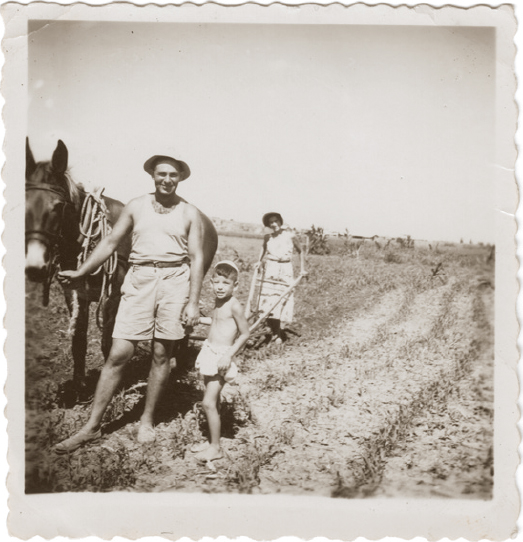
[
  {"x": 30, "y": 164},
  {"x": 59, "y": 160}
]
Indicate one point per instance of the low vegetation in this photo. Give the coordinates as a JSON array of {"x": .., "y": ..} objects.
[
  {"x": 383, "y": 387},
  {"x": 317, "y": 241}
]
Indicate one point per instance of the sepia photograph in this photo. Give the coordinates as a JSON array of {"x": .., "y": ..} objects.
[{"x": 264, "y": 255}]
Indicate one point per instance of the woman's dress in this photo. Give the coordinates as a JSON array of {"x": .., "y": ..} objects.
[{"x": 278, "y": 268}]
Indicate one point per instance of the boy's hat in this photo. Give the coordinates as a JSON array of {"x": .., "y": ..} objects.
[
  {"x": 266, "y": 216},
  {"x": 182, "y": 167},
  {"x": 228, "y": 263}
]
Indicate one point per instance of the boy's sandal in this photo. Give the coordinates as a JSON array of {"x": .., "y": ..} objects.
[
  {"x": 199, "y": 447},
  {"x": 203, "y": 458}
]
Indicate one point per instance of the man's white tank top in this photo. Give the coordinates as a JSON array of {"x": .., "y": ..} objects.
[{"x": 158, "y": 237}]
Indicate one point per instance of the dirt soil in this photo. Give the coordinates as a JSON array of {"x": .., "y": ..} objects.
[{"x": 383, "y": 388}]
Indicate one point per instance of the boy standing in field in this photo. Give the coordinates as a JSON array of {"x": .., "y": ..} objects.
[{"x": 228, "y": 333}]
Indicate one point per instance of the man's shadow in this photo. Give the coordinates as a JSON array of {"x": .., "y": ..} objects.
[{"x": 181, "y": 393}]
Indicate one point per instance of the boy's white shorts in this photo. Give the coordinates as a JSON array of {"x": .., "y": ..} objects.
[{"x": 207, "y": 361}]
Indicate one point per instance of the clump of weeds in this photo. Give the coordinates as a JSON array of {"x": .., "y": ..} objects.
[
  {"x": 149, "y": 459},
  {"x": 336, "y": 394},
  {"x": 390, "y": 256},
  {"x": 346, "y": 351},
  {"x": 102, "y": 469},
  {"x": 285, "y": 433},
  {"x": 273, "y": 382},
  {"x": 42, "y": 394},
  {"x": 186, "y": 432},
  {"x": 256, "y": 453},
  {"x": 124, "y": 401}
]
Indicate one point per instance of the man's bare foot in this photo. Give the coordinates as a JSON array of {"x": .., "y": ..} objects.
[
  {"x": 146, "y": 434},
  {"x": 200, "y": 447},
  {"x": 210, "y": 454},
  {"x": 76, "y": 441}
]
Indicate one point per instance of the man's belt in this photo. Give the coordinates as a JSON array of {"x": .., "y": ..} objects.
[{"x": 162, "y": 264}]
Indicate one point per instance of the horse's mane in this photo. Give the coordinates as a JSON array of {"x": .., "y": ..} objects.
[{"x": 74, "y": 190}]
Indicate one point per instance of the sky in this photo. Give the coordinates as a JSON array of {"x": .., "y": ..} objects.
[{"x": 381, "y": 130}]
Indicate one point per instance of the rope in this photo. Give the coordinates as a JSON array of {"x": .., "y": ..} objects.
[{"x": 94, "y": 226}]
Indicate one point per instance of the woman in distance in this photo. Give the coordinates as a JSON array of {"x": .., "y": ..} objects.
[{"x": 276, "y": 255}]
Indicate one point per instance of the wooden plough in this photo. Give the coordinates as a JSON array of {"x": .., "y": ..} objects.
[{"x": 252, "y": 309}]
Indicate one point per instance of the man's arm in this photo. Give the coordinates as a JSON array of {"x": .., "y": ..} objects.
[
  {"x": 191, "y": 312},
  {"x": 103, "y": 250}
]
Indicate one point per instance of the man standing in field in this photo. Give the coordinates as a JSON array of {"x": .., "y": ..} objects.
[{"x": 160, "y": 293}]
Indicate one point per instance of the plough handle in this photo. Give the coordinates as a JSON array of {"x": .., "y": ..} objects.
[
  {"x": 251, "y": 292},
  {"x": 261, "y": 279},
  {"x": 280, "y": 299}
]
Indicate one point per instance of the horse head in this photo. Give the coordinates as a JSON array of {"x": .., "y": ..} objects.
[{"x": 50, "y": 198}]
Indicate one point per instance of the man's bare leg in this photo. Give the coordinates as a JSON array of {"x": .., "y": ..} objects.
[
  {"x": 121, "y": 352},
  {"x": 158, "y": 378}
]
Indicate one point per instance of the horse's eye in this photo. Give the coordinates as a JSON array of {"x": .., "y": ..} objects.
[{"x": 54, "y": 217}]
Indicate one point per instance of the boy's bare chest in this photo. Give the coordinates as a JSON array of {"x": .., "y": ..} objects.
[
  {"x": 223, "y": 328},
  {"x": 222, "y": 315}
]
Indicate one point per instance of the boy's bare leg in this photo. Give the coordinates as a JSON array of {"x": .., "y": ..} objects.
[
  {"x": 211, "y": 401},
  {"x": 121, "y": 352},
  {"x": 201, "y": 446},
  {"x": 158, "y": 378}
]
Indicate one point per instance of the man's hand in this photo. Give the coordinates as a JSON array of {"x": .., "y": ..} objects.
[
  {"x": 69, "y": 278},
  {"x": 224, "y": 363},
  {"x": 191, "y": 314}
]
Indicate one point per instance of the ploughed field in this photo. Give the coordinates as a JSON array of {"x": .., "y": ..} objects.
[{"x": 384, "y": 387}]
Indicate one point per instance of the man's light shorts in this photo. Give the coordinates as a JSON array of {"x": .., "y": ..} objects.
[{"x": 153, "y": 299}]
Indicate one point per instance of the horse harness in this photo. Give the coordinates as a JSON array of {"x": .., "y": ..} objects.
[
  {"x": 94, "y": 225},
  {"x": 52, "y": 240}
]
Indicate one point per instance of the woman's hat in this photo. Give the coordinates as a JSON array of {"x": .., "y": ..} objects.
[
  {"x": 266, "y": 217},
  {"x": 182, "y": 167}
]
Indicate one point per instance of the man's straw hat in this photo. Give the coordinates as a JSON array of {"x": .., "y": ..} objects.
[
  {"x": 181, "y": 166},
  {"x": 266, "y": 217}
]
